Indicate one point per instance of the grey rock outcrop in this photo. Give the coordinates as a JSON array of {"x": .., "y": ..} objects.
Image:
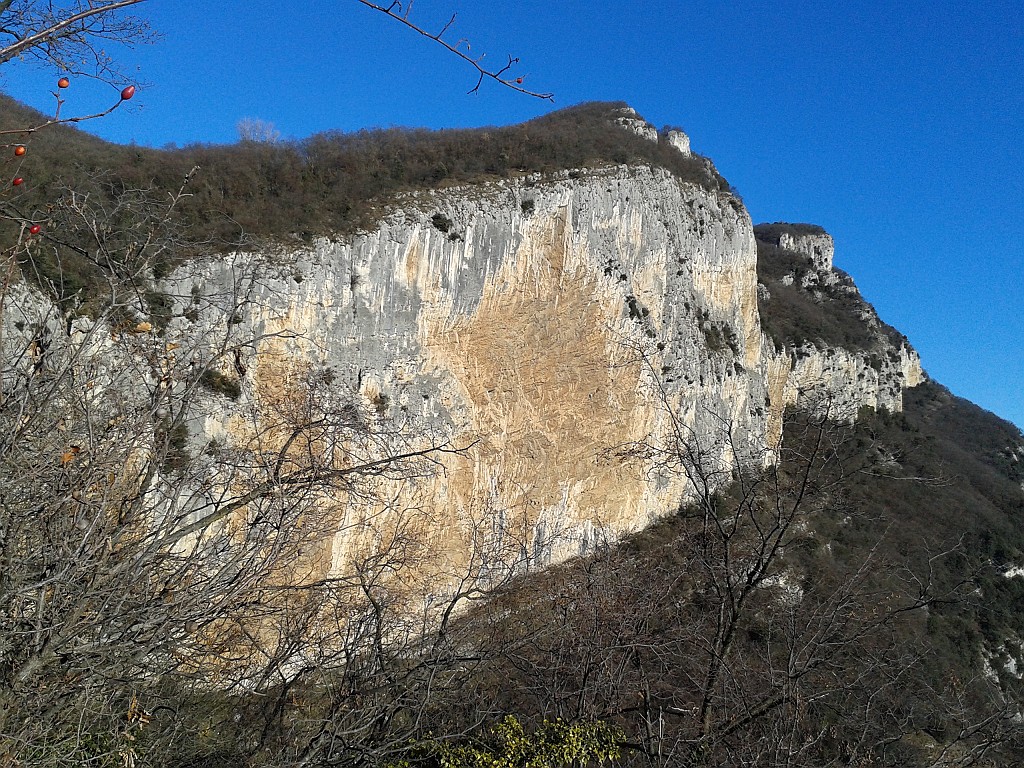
[
  {"x": 628, "y": 118},
  {"x": 818, "y": 247},
  {"x": 680, "y": 141}
]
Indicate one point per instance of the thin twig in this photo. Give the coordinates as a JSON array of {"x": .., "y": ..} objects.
[
  {"x": 62, "y": 121},
  {"x": 53, "y": 30},
  {"x": 395, "y": 11}
]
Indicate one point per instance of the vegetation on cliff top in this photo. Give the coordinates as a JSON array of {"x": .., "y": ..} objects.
[
  {"x": 849, "y": 602},
  {"x": 329, "y": 184},
  {"x": 771, "y": 232},
  {"x": 765, "y": 621}
]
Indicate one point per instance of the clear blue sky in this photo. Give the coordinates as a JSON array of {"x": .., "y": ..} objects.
[{"x": 896, "y": 126}]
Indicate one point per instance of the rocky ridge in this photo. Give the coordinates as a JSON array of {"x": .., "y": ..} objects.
[
  {"x": 567, "y": 330},
  {"x": 570, "y": 335}
]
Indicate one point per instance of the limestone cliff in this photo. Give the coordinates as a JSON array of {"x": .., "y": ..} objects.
[{"x": 570, "y": 331}]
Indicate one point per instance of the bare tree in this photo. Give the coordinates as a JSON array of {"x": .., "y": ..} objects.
[
  {"x": 142, "y": 557},
  {"x": 257, "y": 130},
  {"x": 70, "y": 35},
  {"x": 145, "y": 566},
  {"x": 733, "y": 633}
]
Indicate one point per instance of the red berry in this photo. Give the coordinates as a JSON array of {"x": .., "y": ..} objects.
[
  {"x": 35, "y": 229},
  {"x": 127, "y": 93},
  {"x": 19, "y": 150},
  {"x": 63, "y": 83},
  {"x": 519, "y": 80},
  {"x": 18, "y": 181}
]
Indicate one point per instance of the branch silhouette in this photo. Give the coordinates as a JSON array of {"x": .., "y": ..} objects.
[{"x": 400, "y": 13}]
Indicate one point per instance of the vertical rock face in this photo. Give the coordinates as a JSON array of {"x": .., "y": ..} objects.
[
  {"x": 573, "y": 338},
  {"x": 818, "y": 247},
  {"x": 575, "y": 335},
  {"x": 842, "y": 356},
  {"x": 578, "y": 341},
  {"x": 561, "y": 329},
  {"x": 808, "y": 240},
  {"x": 680, "y": 141},
  {"x": 845, "y": 381}
]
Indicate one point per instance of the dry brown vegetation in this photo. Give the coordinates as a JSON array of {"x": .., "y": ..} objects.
[
  {"x": 824, "y": 315},
  {"x": 863, "y": 642},
  {"x": 329, "y": 184},
  {"x": 837, "y": 609}
]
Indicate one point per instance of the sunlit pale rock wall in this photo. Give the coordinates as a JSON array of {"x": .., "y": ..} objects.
[
  {"x": 548, "y": 325},
  {"x": 564, "y": 330},
  {"x": 818, "y": 247}
]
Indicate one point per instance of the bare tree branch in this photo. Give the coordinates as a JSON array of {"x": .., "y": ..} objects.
[
  {"x": 65, "y": 33},
  {"x": 396, "y": 11},
  {"x": 58, "y": 120}
]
